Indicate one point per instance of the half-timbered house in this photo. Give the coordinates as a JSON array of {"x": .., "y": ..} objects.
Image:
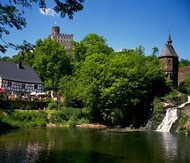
[{"x": 18, "y": 78}]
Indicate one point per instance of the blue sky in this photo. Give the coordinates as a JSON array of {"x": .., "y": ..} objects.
[{"x": 123, "y": 23}]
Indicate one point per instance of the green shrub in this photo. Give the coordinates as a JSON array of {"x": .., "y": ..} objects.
[
  {"x": 71, "y": 116},
  {"x": 52, "y": 105},
  {"x": 183, "y": 120},
  {"x": 25, "y": 118},
  {"x": 158, "y": 109},
  {"x": 83, "y": 121},
  {"x": 175, "y": 97},
  {"x": 39, "y": 118},
  {"x": 182, "y": 131}
]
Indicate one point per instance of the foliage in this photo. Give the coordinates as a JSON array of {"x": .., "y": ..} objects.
[
  {"x": 155, "y": 51},
  {"x": 183, "y": 120},
  {"x": 39, "y": 118},
  {"x": 51, "y": 62},
  {"x": 68, "y": 86},
  {"x": 53, "y": 105},
  {"x": 182, "y": 130},
  {"x": 71, "y": 116},
  {"x": 25, "y": 118},
  {"x": 90, "y": 44},
  {"x": 158, "y": 109},
  {"x": 117, "y": 87},
  {"x": 186, "y": 86},
  {"x": 49, "y": 59},
  {"x": 184, "y": 62},
  {"x": 175, "y": 97},
  {"x": 12, "y": 16}
]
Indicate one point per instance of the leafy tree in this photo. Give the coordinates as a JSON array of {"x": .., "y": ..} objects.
[
  {"x": 12, "y": 15},
  {"x": 131, "y": 82},
  {"x": 140, "y": 50},
  {"x": 90, "y": 44},
  {"x": 184, "y": 62},
  {"x": 118, "y": 88},
  {"x": 186, "y": 85},
  {"x": 5, "y": 58},
  {"x": 155, "y": 51},
  {"x": 68, "y": 85},
  {"x": 51, "y": 62}
]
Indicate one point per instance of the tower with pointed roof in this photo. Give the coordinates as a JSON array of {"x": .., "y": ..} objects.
[{"x": 170, "y": 62}]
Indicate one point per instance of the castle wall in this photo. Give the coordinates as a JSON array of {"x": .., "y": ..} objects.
[{"x": 64, "y": 39}]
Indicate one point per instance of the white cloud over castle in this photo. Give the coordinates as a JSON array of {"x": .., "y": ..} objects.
[{"x": 48, "y": 12}]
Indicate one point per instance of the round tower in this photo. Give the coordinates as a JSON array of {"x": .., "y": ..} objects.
[
  {"x": 170, "y": 62},
  {"x": 55, "y": 30}
]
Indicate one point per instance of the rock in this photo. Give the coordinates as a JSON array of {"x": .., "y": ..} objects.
[
  {"x": 50, "y": 125},
  {"x": 91, "y": 126}
]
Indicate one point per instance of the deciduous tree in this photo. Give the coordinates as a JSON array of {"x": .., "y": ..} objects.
[{"x": 51, "y": 62}]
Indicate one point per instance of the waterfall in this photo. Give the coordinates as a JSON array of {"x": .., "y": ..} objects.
[{"x": 170, "y": 118}]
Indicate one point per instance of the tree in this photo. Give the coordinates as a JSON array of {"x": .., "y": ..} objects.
[
  {"x": 51, "y": 62},
  {"x": 12, "y": 16},
  {"x": 118, "y": 88},
  {"x": 184, "y": 62},
  {"x": 185, "y": 85},
  {"x": 90, "y": 44},
  {"x": 155, "y": 51}
]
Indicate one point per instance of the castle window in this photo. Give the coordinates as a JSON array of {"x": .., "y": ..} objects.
[{"x": 169, "y": 61}]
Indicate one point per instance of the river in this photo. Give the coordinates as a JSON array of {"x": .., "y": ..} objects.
[{"x": 80, "y": 145}]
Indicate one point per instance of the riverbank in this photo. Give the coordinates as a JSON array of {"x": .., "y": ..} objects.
[
  {"x": 43, "y": 118},
  {"x": 81, "y": 118},
  {"x": 90, "y": 125}
]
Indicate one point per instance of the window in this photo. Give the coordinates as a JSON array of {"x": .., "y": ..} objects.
[
  {"x": 9, "y": 83},
  {"x": 35, "y": 86},
  {"x": 23, "y": 86},
  {"x": 169, "y": 61}
]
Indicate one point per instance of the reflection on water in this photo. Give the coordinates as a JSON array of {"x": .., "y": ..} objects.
[
  {"x": 33, "y": 151},
  {"x": 169, "y": 142},
  {"x": 90, "y": 145}
]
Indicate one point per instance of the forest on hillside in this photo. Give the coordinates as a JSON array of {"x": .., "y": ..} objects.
[{"x": 118, "y": 88}]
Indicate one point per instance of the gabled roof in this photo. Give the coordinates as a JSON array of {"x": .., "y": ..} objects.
[
  {"x": 18, "y": 72},
  {"x": 168, "y": 51}
]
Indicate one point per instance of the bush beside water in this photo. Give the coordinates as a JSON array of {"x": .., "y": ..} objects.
[{"x": 39, "y": 118}]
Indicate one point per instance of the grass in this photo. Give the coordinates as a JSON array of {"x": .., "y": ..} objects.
[{"x": 39, "y": 118}]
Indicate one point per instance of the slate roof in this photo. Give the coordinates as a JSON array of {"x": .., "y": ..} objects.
[
  {"x": 168, "y": 51},
  {"x": 11, "y": 71}
]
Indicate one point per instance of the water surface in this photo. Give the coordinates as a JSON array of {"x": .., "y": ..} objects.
[{"x": 92, "y": 146}]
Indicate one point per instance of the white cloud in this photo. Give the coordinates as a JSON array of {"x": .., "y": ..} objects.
[{"x": 48, "y": 11}]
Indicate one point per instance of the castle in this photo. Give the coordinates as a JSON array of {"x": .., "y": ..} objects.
[
  {"x": 170, "y": 62},
  {"x": 65, "y": 39}
]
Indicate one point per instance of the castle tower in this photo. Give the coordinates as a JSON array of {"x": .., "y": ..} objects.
[
  {"x": 55, "y": 31},
  {"x": 65, "y": 39},
  {"x": 169, "y": 61}
]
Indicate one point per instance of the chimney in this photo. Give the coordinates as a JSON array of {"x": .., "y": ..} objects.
[{"x": 19, "y": 65}]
